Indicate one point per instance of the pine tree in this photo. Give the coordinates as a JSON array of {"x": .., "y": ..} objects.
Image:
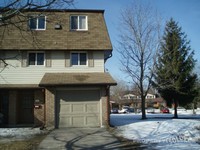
[{"x": 174, "y": 77}]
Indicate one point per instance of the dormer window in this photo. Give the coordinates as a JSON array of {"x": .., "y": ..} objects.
[
  {"x": 78, "y": 22},
  {"x": 37, "y": 22}
]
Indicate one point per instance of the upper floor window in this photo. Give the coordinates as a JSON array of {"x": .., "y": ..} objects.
[
  {"x": 78, "y": 59},
  {"x": 149, "y": 96},
  {"x": 36, "y": 58},
  {"x": 78, "y": 23},
  {"x": 37, "y": 22}
]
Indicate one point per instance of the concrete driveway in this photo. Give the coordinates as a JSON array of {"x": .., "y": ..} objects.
[{"x": 83, "y": 139}]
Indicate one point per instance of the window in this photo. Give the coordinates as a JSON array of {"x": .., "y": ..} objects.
[
  {"x": 36, "y": 59},
  {"x": 37, "y": 22},
  {"x": 132, "y": 97},
  {"x": 78, "y": 59},
  {"x": 78, "y": 23}
]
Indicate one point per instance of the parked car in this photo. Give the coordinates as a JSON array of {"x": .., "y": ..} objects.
[
  {"x": 114, "y": 111},
  {"x": 150, "y": 110},
  {"x": 139, "y": 110},
  {"x": 181, "y": 109},
  {"x": 165, "y": 110},
  {"x": 124, "y": 109},
  {"x": 130, "y": 110}
]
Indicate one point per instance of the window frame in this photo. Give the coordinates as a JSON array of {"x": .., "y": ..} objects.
[
  {"x": 78, "y": 23},
  {"x": 75, "y": 52},
  {"x": 36, "y": 56},
  {"x": 37, "y": 22}
]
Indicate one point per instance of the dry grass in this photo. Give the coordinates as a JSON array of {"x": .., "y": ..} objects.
[{"x": 30, "y": 144}]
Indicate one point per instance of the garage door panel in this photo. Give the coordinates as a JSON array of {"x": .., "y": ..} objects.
[
  {"x": 65, "y": 121},
  {"x": 79, "y": 108},
  {"x": 77, "y": 121},
  {"x": 92, "y": 120},
  {"x": 92, "y": 108},
  {"x": 65, "y": 109}
]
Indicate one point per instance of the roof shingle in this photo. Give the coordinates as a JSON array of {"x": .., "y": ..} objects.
[
  {"x": 95, "y": 38},
  {"x": 61, "y": 79}
]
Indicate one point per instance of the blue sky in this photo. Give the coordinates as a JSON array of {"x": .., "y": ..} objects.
[{"x": 185, "y": 12}]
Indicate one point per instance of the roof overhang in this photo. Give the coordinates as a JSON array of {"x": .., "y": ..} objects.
[
  {"x": 19, "y": 86},
  {"x": 76, "y": 79},
  {"x": 57, "y": 10}
]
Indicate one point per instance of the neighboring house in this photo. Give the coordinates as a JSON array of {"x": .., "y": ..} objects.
[
  {"x": 136, "y": 96},
  {"x": 134, "y": 100},
  {"x": 129, "y": 96},
  {"x": 150, "y": 96},
  {"x": 56, "y": 75}
]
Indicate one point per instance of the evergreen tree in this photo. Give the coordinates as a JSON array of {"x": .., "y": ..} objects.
[{"x": 174, "y": 77}]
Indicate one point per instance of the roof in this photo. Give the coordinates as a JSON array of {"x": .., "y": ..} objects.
[
  {"x": 63, "y": 79},
  {"x": 64, "y": 10},
  {"x": 95, "y": 38},
  {"x": 56, "y": 10}
]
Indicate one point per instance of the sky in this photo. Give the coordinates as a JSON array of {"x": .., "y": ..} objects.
[{"x": 185, "y": 12}]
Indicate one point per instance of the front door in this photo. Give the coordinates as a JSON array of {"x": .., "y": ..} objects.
[
  {"x": 4, "y": 97},
  {"x": 26, "y": 103}
]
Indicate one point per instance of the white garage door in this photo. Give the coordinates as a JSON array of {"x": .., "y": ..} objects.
[{"x": 80, "y": 108}]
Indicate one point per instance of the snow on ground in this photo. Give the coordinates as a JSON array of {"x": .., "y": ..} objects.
[
  {"x": 12, "y": 134},
  {"x": 160, "y": 130}
]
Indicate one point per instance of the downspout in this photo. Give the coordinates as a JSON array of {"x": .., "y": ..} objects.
[
  {"x": 107, "y": 56},
  {"x": 44, "y": 108}
]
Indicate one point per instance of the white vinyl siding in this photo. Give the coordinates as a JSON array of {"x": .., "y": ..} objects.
[
  {"x": 90, "y": 59},
  {"x": 17, "y": 74},
  {"x": 48, "y": 58}
]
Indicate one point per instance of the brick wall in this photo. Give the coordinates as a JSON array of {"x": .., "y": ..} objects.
[
  {"x": 46, "y": 113},
  {"x": 105, "y": 108},
  {"x": 39, "y": 116},
  {"x": 50, "y": 107}
]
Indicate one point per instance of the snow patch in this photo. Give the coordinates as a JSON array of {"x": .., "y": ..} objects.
[
  {"x": 163, "y": 133},
  {"x": 12, "y": 134}
]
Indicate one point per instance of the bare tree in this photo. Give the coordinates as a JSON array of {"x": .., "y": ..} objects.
[
  {"x": 13, "y": 14},
  {"x": 10, "y": 8},
  {"x": 117, "y": 92},
  {"x": 139, "y": 41}
]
